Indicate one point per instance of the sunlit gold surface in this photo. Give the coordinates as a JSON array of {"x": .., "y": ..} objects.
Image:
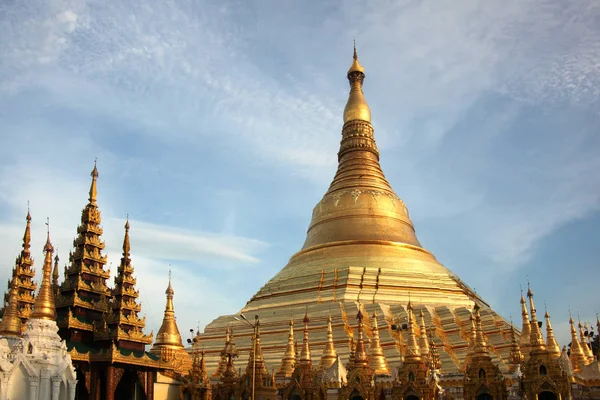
[
  {"x": 329, "y": 356},
  {"x": 168, "y": 344},
  {"x": 356, "y": 107},
  {"x": 11, "y": 323},
  {"x": 23, "y": 274},
  {"x": 168, "y": 334},
  {"x": 361, "y": 248},
  {"x": 44, "y": 307},
  {"x": 288, "y": 360},
  {"x": 377, "y": 360}
]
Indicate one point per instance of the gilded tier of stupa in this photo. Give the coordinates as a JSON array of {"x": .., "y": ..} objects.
[{"x": 362, "y": 254}]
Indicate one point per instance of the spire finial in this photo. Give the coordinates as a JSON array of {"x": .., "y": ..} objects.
[
  {"x": 170, "y": 292},
  {"x": 126, "y": 243},
  {"x": 28, "y": 214},
  {"x": 93, "y": 190},
  {"x": 356, "y": 107}
]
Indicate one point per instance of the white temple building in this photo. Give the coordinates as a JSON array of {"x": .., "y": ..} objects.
[{"x": 35, "y": 364}]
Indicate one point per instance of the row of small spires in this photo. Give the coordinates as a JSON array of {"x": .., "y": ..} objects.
[
  {"x": 417, "y": 349},
  {"x": 421, "y": 349},
  {"x": 532, "y": 340}
]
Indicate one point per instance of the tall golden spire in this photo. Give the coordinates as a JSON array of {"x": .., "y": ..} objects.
[
  {"x": 329, "y": 356},
  {"x": 423, "y": 340},
  {"x": 11, "y": 323},
  {"x": 125, "y": 308},
  {"x": 305, "y": 358},
  {"x": 93, "y": 189},
  {"x": 525, "y": 340},
  {"x": 44, "y": 307},
  {"x": 377, "y": 360},
  {"x": 551, "y": 343},
  {"x": 168, "y": 335},
  {"x": 515, "y": 357},
  {"x": 584, "y": 346},
  {"x": 413, "y": 352},
  {"x": 86, "y": 267},
  {"x": 24, "y": 273},
  {"x": 536, "y": 338},
  {"x": 27, "y": 236},
  {"x": 360, "y": 354},
  {"x": 434, "y": 356},
  {"x": 356, "y": 107},
  {"x": 360, "y": 203},
  {"x": 577, "y": 356},
  {"x": 256, "y": 358},
  {"x": 481, "y": 346},
  {"x": 228, "y": 353},
  {"x": 289, "y": 357}
]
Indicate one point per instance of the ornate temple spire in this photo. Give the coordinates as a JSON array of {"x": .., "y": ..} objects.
[
  {"x": 536, "y": 337},
  {"x": 288, "y": 362},
  {"x": 11, "y": 323},
  {"x": 329, "y": 356},
  {"x": 515, "y": 357},
  {"x": 377, "y": 360},
  {"x": 413, "y": 352},
  {"x": 44, "y": 307},
  {"x": 24, "y": 273},
  {"x": 123, "y": 322},
  {"x": 360, "y": 204},
  {"x": 551, "y": 343},
  {"x": 577, "y": 356},
  {"x": 93, "y": 189},
  {"x": 305, "y": 358},
  {"x": 356, "y": 107},
  {"x": 525, "y": 340},
  {"x": 423, "y": 341},
  {"x": 168, "y": 335},
  {"x": 229, "y": 351},
  {"x": 361, "y": 359},
  {"x": 481, "y": 346},
  {"x": 434, "y": 357},
  {"x": 83, "y": 302},
  {"x": 256, "y": 354},
  {"x": 584, "y": 346}
]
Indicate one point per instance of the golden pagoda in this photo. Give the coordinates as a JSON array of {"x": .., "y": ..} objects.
[
  {"x": 83, "y": 295},
  {"x": 44, "y": 307},
  {"x": 482, "y": 375},
  {"x": 22, "y": 279},
  {"x": 168, "y": 344},
  {"x": 360, "y": 244},
  {"x": 11, "y": 323}
]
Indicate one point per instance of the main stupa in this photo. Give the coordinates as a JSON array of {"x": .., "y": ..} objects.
[{"x": 361, "y": 252}]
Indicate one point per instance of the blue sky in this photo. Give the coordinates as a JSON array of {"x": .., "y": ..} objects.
[{"x": 216, "y": 126}]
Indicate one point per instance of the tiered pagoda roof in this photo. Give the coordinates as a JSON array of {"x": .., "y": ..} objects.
[
  {"x": 122, "y": 323},
  {"x": 22, "y": 278},
  {"x": 84, "y": 296}
]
